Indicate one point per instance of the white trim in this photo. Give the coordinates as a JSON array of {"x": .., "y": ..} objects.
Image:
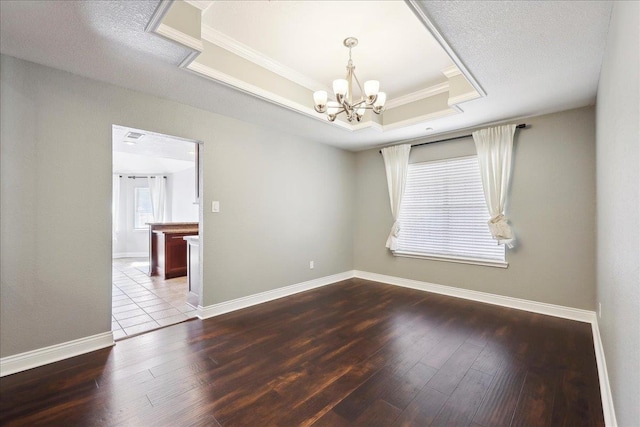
[
  {"x": 189, "y": 59},
  {"x": 414, "y": 6},
  {"x": 180, "y": 37},
  {"x": 43, "y": 356},
  {"x": 232, "y": 45},
  {"x": 158, "y": 15},
  {"x": 418, "y": 95},
  {"x": 130, "y": 255},
  {"x": 212, "y": 73},
  {"x": 250, "y": 300},
  {"x": 453, "y": 100},
  {"x": 451, "y": 71},
  {"x": 605, "y": 387},
  {"x": 517, "y": 303},
  {"x": 474, "y": 261},
  {"x": 221, "y": 77}
]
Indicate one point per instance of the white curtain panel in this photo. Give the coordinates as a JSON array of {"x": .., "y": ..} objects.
[
  {"x": 396, "y": 163},
  {"x": 494, "y": 147},
  {"x": 115, "y": 207},
  {"x": 158, "y": 192}
]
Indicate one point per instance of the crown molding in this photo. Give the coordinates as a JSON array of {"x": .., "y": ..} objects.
[
  {"x": 451, "y": 71},
  {"x": 158, "y": 15},
  {"x": 463, "y": 98},
  {"x": 223, "y": 41},
  {"x": 182, "y": 38},
  {"x": 426, "y": 21},
  {"x": 224, "y": 78},
  {"x": 232, "y": 45},
  {"x": 418, "y": 95}
]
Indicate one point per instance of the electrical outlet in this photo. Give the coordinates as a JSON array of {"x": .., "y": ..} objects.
[
  {"x": 311, "y": 265},
  {"x": 600, "y": 310}
]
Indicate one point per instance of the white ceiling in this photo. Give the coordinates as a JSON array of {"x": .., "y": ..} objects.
[
  {"x": 529, "y": 57},
  {"x": 152, "y": 154}
]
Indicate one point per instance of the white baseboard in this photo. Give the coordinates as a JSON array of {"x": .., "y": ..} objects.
[
  {"x": 521, "y": 304},
  {"x": 605, "y": 386},
  {"x": 248, "y": 301},
  {"x": 43, "y": 356},
  {"x": 130, "y": 255}
]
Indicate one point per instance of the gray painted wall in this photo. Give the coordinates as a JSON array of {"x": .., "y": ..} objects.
[
  {"x": 618, "y": 184},
  {"x": 552, "y": 210},
  {"x": 284, "y": 201}
]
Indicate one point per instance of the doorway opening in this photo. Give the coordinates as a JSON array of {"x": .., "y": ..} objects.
[{"x": 155, "y": 227}]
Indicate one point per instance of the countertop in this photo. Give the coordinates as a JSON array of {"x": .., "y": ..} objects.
[{"x": 177, "y": 231}]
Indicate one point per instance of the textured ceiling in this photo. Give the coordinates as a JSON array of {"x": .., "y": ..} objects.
[{"x": 530, "y": 57}]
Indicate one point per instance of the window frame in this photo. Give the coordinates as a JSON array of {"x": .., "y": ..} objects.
[
  {"x": 136, "y": 226},
  {"x": 452, "y": 258}
]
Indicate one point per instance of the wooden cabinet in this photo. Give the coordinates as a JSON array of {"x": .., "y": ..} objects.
[{"x": 168, "y": 249}]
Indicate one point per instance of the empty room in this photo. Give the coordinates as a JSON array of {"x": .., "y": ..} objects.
[{"x": 400, "y": 213}]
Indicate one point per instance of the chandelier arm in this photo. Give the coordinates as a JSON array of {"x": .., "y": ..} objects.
[{"x": 359, "y": 87}]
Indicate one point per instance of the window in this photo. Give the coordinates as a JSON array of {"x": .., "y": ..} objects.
[
  {"x": 444, "y": 215},
  {"x": 143, "y": 213}
]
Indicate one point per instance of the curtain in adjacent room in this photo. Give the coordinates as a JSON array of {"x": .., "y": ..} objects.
[
  {"x": 115, "y": 207},
  {"x": 158, "y": 192},
  {"x": 396, "y": 163},
  {"x": 494, "y": 147}
]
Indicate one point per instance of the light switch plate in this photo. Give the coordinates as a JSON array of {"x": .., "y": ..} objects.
[{"x": 215, "y": 206}]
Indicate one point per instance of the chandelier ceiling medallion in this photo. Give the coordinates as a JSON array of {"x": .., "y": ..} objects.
[{"x": 370, "y": 98}]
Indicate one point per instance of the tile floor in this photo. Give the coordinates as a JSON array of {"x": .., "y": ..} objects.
[{"x": 142, "y": 303}]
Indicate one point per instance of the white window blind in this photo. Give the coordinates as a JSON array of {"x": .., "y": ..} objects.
[{"x": 444, "y": 214}]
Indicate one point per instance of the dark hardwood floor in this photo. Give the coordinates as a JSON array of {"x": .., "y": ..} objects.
[{"x": 353, "y": 353}]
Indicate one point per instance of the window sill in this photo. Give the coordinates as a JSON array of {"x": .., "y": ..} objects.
[{"x": 473, "y": 261}]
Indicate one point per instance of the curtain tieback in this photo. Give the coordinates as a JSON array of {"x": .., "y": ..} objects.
[
  {"x": 395, "y": 229},
  {"x": 500, "y": 229},
  {"x": 392, "y": 240}
]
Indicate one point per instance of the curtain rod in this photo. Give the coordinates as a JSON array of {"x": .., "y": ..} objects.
[{"x": 520, "y": 126}]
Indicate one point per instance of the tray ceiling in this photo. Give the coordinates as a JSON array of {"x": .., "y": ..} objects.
[{"x": 283, "y": 51}]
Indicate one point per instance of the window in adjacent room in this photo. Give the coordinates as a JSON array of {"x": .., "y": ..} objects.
[
  {"x": 142, "y": 208},
  {"x": 444, "y": 214}
]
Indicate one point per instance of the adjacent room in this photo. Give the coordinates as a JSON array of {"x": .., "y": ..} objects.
[
  {"x": 283, "y": 213},
  {"x": 155, "y": 219}
]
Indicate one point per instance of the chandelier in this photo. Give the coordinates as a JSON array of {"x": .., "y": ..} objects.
[{"x": 370, "y": 98}]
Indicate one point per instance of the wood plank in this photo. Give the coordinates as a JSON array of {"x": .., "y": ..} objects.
[
  {"x": 577, "y": 401},
  {"x": 500, "y": 402},
  {"x": 423, "y": 409},
  {"x": 536, "y": 400},
  {"x": 465, "y": 400},
  {"x": 455, "y": 368},
  {"x": 378, "y": 414}
]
